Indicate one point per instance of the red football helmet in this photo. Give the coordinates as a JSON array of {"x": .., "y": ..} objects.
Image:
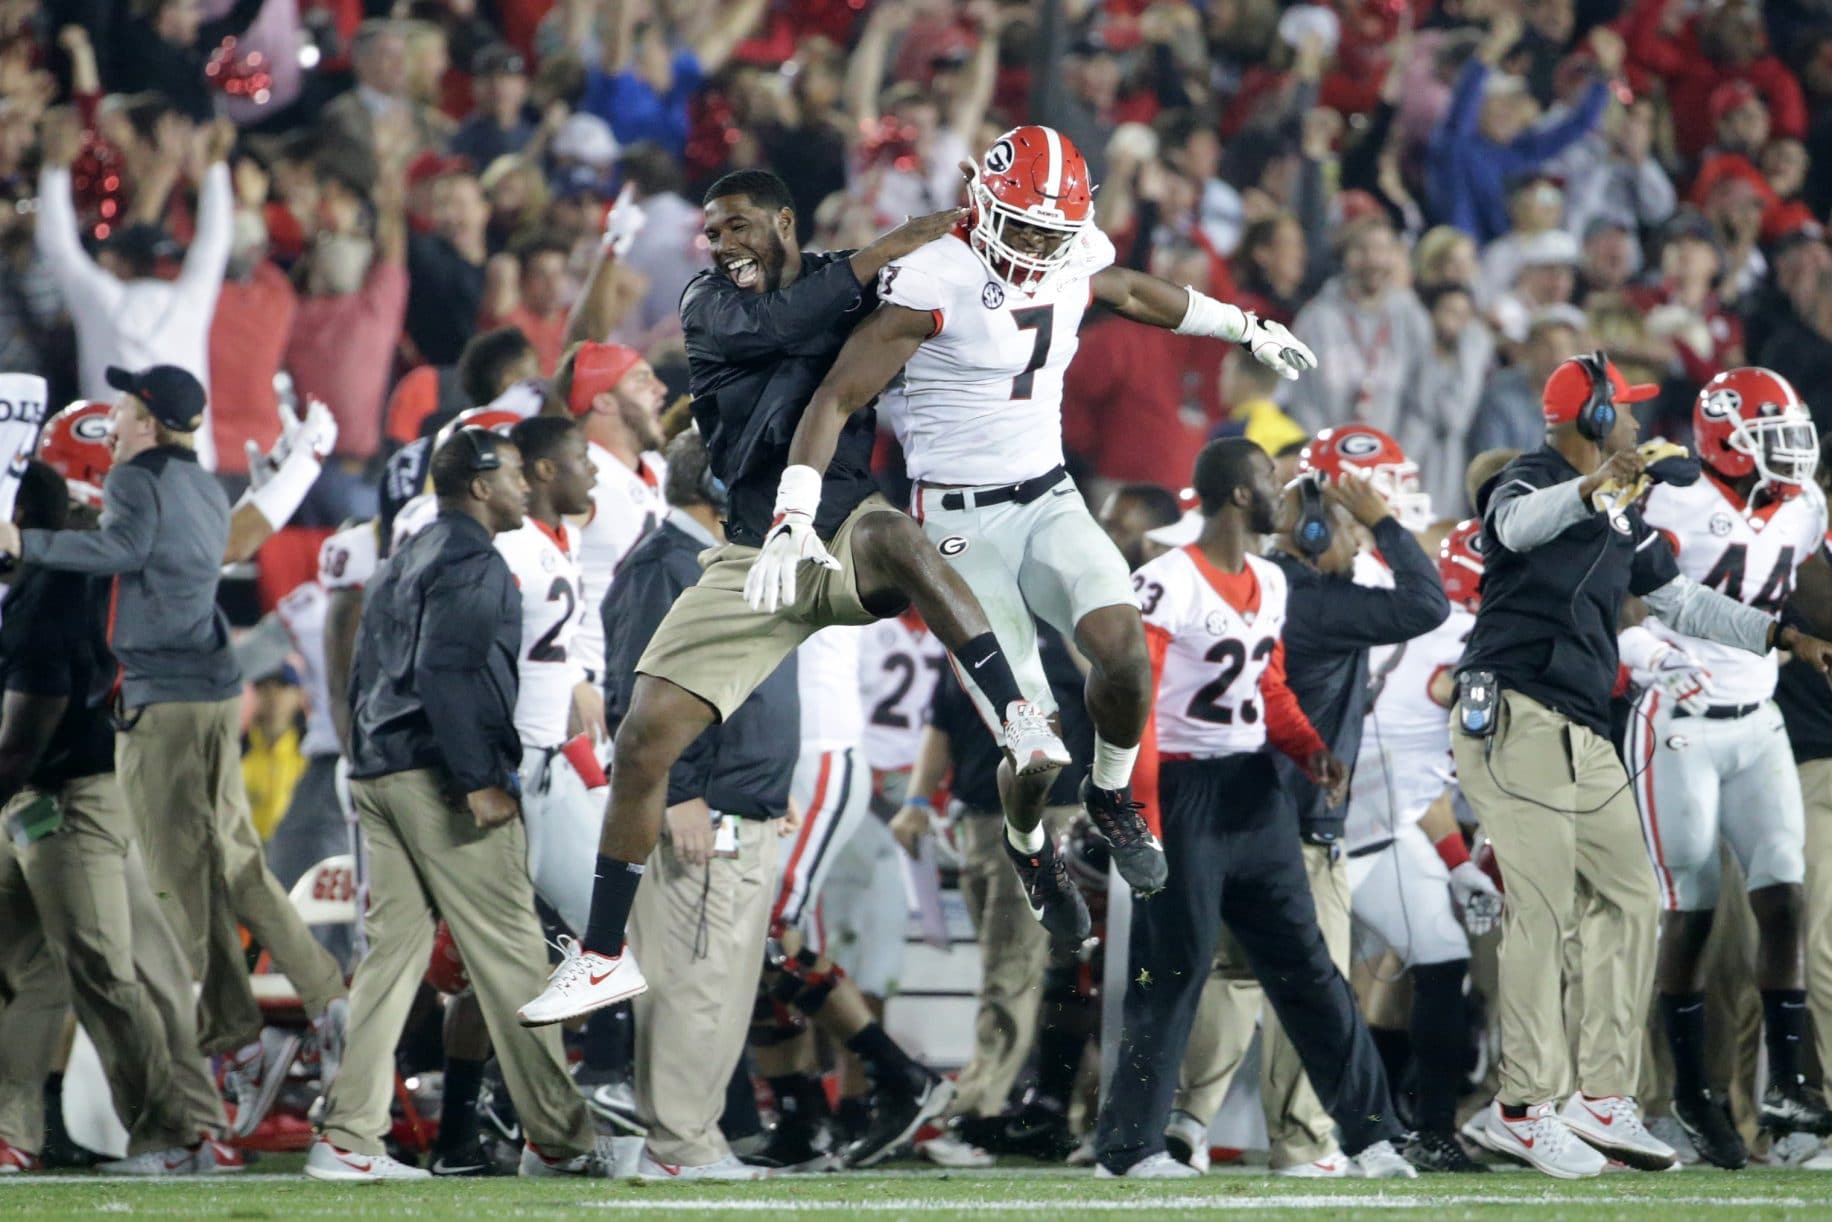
[
  {"x": 75, "y": 445},
  {"x": 497, "y": 420},
  {"x": 1752, "y": 420},
  {"x": 1460, "y": 561},
  {"x": 1031, "y": 176},
  {"x": 1362, "y": 449},
  {"x": 445, "y": 971}
]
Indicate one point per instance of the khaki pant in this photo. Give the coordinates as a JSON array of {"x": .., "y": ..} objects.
[
  {"x": 699, "y": 932},
  {"x": 1566, "y": 872},
  {"x": 1014, "y": 951},
  {"x": 428, "y": 859},
  {"x": 79, "y": 922},
  {"x": 180, "y": 770},
  {"x": 1816, "y": 789},
  {"x": 1298, "y": 1128}
]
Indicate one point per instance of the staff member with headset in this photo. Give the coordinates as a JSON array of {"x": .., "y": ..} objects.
[{"x": 1531, "y": 737}]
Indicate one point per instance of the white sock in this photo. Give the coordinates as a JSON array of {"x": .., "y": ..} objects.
[
  {"x": 1025, "y": 842},
  {"x": 1112, "y": 767}
]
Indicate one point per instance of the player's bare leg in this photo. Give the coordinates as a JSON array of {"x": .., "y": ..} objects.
[
  {"x": 1118, "y": 696},
  {"x": 1054, "y": 899}
]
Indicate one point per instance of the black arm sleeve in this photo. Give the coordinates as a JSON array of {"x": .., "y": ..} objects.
[
  {"x": 723, "y": 324},
  {"x": 1339, "y": 615}
]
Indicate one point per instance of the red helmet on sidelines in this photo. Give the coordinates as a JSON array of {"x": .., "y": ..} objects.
[
  {"x": 75, "y": 445},
  {"x": 1460, "y": 562},
  {"x": 1752, "y": 420},
  {"x": 494, "y": 419},
  {"x": 445, "y": 970},
  {"x": 1033, "y": 177},
  {"x": 1362, "y": 449}
]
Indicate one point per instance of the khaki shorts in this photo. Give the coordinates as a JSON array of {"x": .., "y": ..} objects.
[{"x": 714, "y": 645}]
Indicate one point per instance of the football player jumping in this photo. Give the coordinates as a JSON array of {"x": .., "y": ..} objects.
[{"x": 981, "y": 324}]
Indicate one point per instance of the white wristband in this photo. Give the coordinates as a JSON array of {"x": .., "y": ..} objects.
[
  {"x": 279, "y": 498},
  {"x": 1217, "y": 319},
  {"x": 1639, "y": 648},
  {"x": 799, "y": 491}
]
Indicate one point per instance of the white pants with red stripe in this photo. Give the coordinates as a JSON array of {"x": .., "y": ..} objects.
[
  {"x": 1699, "y": 778},
  {"x": 563, "y": 819},
  {"x": 833, "y": 789}
]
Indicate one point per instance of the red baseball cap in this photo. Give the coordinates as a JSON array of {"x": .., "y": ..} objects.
[
  {"x": 598, "y": 368},
  {"x": 1568, "y": 389},
  {"x": 1730, "y": 95}
]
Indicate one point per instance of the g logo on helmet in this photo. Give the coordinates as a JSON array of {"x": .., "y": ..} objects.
[
  {"x": 1358, "y": 445},
  {"x": 1477, "y": 543},
  {"x": 1722, "y": 404},
  {"x": 91, "y": 428},
  {"x": 999, "y": 157}
]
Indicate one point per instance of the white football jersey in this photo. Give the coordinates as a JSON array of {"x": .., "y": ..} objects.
[
  {"x": 900, "y": 662},
  {"x": 302, "y": 612},
  {"x": 1405, "y": 738},
  {"x": 827, "y": 680},
  {"x": 348, "y": 559},
  {"x": 981, "y": 401},
  {"x": 415, "y": 516},
  {"x": 626, "y": 505},
  {"x": 1750, "y": 555},
  {"x": 1215, "y": 654},
  {"x": 545, "y": 564}
]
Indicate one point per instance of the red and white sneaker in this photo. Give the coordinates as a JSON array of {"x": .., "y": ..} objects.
[
  {"x": 336, "y": 1165},
  {"x": 596, "y": 1163},
  {"x": 213, "y": 1157},
  {"x": 14, "y": 1161},
  {"x": 179, "y": 1160},
  {"x": 1613, "y": 1125},
  {"x": 1034, "y": 745},
  {"x": 584, "y": 981},
  {"x": 1332, "y": 1166},
  {"x": 1543, "y": 1141}
]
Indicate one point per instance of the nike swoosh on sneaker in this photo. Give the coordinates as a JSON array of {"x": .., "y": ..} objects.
[
  {"x": 174, "y": 1164},
  {"x": 598, "y": 978},
  {"x": 1601, "y": 1119},
  {"x": 441, "y": 1167},
  {"x": 350, "y": 1161},
  {"x": 670, "y": 1168}
]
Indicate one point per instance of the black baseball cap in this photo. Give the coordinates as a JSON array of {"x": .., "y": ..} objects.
[
  {"x": 498, "y": 59},
  {"x": 172, "y": 395}
]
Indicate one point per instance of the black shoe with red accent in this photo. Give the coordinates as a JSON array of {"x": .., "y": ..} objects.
[
  {"x": 1136, "y": 852},
  {"x": 1054, "y": 900}
]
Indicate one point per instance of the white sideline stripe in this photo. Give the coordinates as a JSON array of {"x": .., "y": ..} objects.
[{"x": 1187, "y": 1204}]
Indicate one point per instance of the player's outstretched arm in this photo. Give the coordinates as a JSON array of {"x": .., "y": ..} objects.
[
  {"x": 1159, "y": 303},
  {"x": 871, "y": 357}
]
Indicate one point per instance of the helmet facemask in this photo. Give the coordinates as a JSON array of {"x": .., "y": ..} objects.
[
  {"x": 1398, "y": 484},
  {"x": 1785, "y": 449},
  {"x": 988, "y": 238}
]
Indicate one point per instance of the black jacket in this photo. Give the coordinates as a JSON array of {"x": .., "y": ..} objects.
[
  {"x": 741, "y": 766},
  {"x": 753, "y": 362},
  {"x": 434, "y": 682},
  {"x": 1330, "y": 624}
]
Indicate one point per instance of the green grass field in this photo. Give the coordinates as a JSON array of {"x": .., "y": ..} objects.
[{"x": 275, "y": 1190}]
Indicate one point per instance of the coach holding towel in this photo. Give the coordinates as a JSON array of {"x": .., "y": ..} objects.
[{"x": 1531, "y": 735}]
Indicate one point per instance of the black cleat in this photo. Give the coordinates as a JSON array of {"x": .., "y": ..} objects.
[
  {"x": 470, "y": 1159},
  {"x": 1136, "y": 852},
  {"x": 1035, "y": 1130},
  {"x": 1055, "y": 902},
  {"x": 1793, "y": 1111},
  {"x": 896, "y": 1116},
  {"x": 796, "y": 1148},
  {"x": 1441, "y": 1152},
  {"x": 1706, "y": 1121}
]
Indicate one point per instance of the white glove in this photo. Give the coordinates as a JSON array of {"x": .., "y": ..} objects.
[
  {"x": 625, "y": 221},
  {"x": 770, "y": 584},
  {"x": 1476, "y": 896},
  {"x": 317, "y": 432},
  {"x": 1275, "y": 347},
  {"x": 1686, "y": 682}
]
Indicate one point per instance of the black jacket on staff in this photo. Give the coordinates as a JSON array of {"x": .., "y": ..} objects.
[
  {"x": 1330, "y": 624},
  {"x": 753, "y": 362},
  {"x": 741, "y": 766},
  {"x": 434, "y": 682}
]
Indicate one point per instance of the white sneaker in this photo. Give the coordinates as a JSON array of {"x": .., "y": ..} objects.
[
  {"x": 1793, "y": 1149},
  {"x": 1475, "y": 1129},
  {"x": 327, "y": 1162},
  {"x": 213, "y": 1157},
  {"x": 179, "y": 1160},
  {"x": 953, "y": 1152},
  {"x": 1668, "y": 1130},
  {"x": 1186, "y": 1139},
  {"x": 727, "y": 1168},
  {"x": 1613, "y": 1125},
  {"x": 1034, "y": 746},
  {"x": 1381, "y": 1161},
  {"x": 1159, "y": 1166},
  {"x": 254, "y": 1076},
  {"x": 1543, "y": 1141},
  {"x": 1819, "y": 1162},
  {"x": 596, "y": 1163},
  {"x": 584, "y": 981},
  {"x": 1332, "y": 1166},
  {"x": 329, "y": 1031},
  {"x": 1083, "y": 1154}
]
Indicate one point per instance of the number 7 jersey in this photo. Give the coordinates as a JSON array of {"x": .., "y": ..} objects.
[{"x": 981, "y": 401}]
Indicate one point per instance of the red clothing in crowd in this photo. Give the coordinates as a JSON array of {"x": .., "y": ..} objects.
[
  {"x": 248, "y": 339},
  {"x": 1724, "y": 328},
  {"x": 1122, "y": 400},
  {"x": 1690, "y": 77},
  {"x": 342, "y": 351},
  {"x": 547, "y": 335}
]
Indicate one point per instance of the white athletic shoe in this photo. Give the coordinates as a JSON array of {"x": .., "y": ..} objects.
[
  {"x": 328, "y": 1033},
  {"x": 584, "y": 981},
  {"x": 953, "y": 1152},
  {"x": 1667, "y": 1129},
  {"x": 727, "y": 1168},
  {"x": 1793, "y": 1149},
  {"x": 179, "y": 1160},
  {"x": 213, "y": 1157},
  {"x": 327, "y": 1162},
  {"x": 1159, "y": 1166},
  {"x": 1543, "y": 1141},
  {"x": 1332, "y": 1166},
  {"x": 1381, "y": 1161},
  {"x": 1613, "y": 1125},
  {"x": 1034, "y": 746},
  {"x": 1186, "y": 1139},
  {"x": 254, "y": 1077},
  {"x": 1083, "y": 1154},
  {"x": 596, "y": 1163},
  {"x": 1819, "y": 1162}
]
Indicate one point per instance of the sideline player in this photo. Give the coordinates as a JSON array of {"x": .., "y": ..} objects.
[
  {"x": 982, "y": 325},
  {"x": 762, "y": 328},
  {"x": 1712, "y": 751}
]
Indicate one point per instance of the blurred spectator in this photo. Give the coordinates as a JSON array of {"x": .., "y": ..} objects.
[
  {"x": 1510, "y": 415},
  {"x": 380, "y": 102},
  {"x": 250, "y": 330},
  {"x": 1702, "y": 337},
  {"x": 1735, "y": 209},
  {"x": 445, "y": 271},
  {"x": 29, "y": 302},
  {"x": 1247, "y": 388},
  {"x": 272, "y": 762},
  {"x": 1489, "y": 133},
  {"x": 1694, "y": 51},
  {"x": 1450, "y": 385},
  {"x": 1611, "y": 257},
  {"x": 125, "y": 314},
  {"x": 163, "y": 47},
  {"x": 1370, "y": 335},
  {"x": 641, "y": 85},
  {"x": 499, "y": 124},
  {"x": 1547, "y": 276},
  {"x": 1444, "y": 256},
  {"x": 1535, "y": 207},
  {"x": 519, "y": 200},
  {"x": 809, "y": 142},
  {"x": 1271, "y": 267},
  {"x": 528, "y": 289},
  {"x": 583, "y": 151},
  {"x": 1612, "y": 174},
  {"x": 492, "y": 363},
  {"x": 1800, "y": 347},
  {"x": 671, "y": 250}
]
